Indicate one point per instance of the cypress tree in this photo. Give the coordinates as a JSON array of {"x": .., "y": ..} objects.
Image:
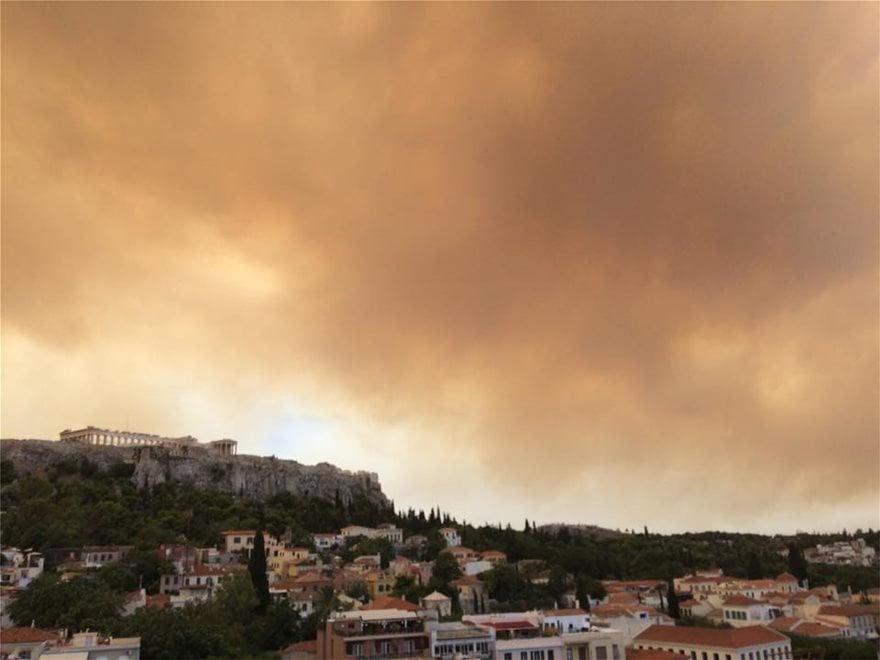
[
  {"x": 797, "y": 565},
  {"x": 755, "y": 568},
  {"x": 672, "y": 600},
  {"x": 257, "y": 570}
]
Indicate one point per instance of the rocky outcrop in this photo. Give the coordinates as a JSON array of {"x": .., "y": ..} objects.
[{"x": 242, "y": 475}]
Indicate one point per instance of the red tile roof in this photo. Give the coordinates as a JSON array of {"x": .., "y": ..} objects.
[
  {"x": 786, "y": 577},
  {"x": 784, "y": 622},
  {"x": 847, "y": 610},
  {"x": 391, "y": 603},
  {"x": 159, "y": 600},
  {"x": 306, "y": 646},
  {"x": 741, "y": 601},
  {"x": 656, "y": 654},
  {"x": 570, "y": 611},
  {"x": 814, "y": 629},
  {"x": 26, "y": 634},
  {"x": 731, "y": 638}
]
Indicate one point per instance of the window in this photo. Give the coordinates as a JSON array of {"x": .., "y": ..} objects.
[
  {"x": 601, "y": 653},
  {"x": 714, "y": 656},
  {"x": 524, "y": 655},
  {"x": 508, "y": 656},
  {"x": 236, "y": 539},
  {"x": 550, "y": 655}
]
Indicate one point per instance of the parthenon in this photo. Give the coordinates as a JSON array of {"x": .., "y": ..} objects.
[{"x": 92, "y": 435}]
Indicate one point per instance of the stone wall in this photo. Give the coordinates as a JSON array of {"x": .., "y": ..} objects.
[{"x": 242, "y": 475}]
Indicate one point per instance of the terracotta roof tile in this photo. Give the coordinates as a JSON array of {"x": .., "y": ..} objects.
[
  {"x": 26, "y": 634},
  {"x": 732, "y": 638},
  {"x": 570, "y": 611},
  {"x": 391, "y": 603}
]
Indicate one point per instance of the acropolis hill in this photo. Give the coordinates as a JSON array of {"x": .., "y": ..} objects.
[{"x": 214, "y": 465}]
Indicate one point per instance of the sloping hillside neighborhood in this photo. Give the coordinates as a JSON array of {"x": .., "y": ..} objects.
[{"x": 392, "y": 605}]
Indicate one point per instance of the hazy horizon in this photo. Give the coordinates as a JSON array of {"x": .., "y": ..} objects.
[{"x": 603, "y": 263}]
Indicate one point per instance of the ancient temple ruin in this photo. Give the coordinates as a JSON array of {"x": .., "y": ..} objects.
[{"x": 92, "y": 435}]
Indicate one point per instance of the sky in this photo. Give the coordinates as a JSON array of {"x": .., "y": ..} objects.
[{"x": 610, "y": 264}]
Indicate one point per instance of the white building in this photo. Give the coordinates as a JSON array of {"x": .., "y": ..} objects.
[
  {"x": 26, "y": 642},
  {"x": 327, "y": 541},
  {"x": 748, "y": 643},
  {"x": 456, "y": 640},
  {"x": 93, "y": 646},
  {"x": 744, "y": 611},
  {"x": 567, "y": 620},
  {"x": 439, "y": 602},
  {"x": 451, "y": 536}
]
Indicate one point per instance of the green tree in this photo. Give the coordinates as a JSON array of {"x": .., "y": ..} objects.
[
  {"x": 445, "y": 569},
  {"x": 672, "y": 600},
  {"x": 257, "y": 570},
  {"x": 77, "y": 604},
  {"x": 358, "y": 591},
  {"x": 755, "y": 568},
  {"x": 797, "y": 565}
]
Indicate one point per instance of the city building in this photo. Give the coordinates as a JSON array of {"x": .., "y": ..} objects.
[{"x": 748, "y": 643}]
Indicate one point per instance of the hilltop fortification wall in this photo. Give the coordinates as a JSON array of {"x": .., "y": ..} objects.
[{"x": 242, "y": 475}]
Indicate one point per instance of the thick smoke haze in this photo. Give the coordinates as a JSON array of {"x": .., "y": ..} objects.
[{"x": 602, "y": 263}]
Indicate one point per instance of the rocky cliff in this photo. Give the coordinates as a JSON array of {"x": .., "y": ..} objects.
[{"x": 242, "y": 475}]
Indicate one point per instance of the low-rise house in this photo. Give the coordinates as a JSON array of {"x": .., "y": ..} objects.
[
  {"x": 453, "y": 640},
  {"x": 593, "y": 645},
  {"x": 787, "y": 583},
  {"x": 302, "y": 602},
  {"x": 327, "y": 541},
  {"x": 390, "y": 532},
  {"x": 534, "y": 648},
  {"x": 858, "y": 620},
  {"x": 182, "y": 556},
  {"x": 630, "y": 620},
  {"x": 198, "y": 584},
  {"x": 494, "y": 557},
  {"x": 239, "y": 540},
  {"x": 400, "y": 565},
  {"x": 744, "y": 611},
  {"x": 802, "y": 627},
  {"x": 26, "y": 642},
  {"x": 451, "y": 536},
  {"x": 477, "y": 566},
  {"x": 472, "y": 594},
  {"x": 379, "y": 583},
  {"x": 565, "y": 620},
  {"x": 691, "y": 607},
  {"x": 441, "y": 603},
  {"x": 21, "y": 568},
  {"x": 698, "y": 584},
  {"x": 92, "y": 646},
  {"x": 353, "y": 531},
  {"x": 344, "y": 580},
  {"x": 748, "y": 643},
  {"x": 96, "y": 556},
  {"x": 372, "y": 633},
  {"x": 462, "y": 554},
  {"x": 391, "y": 603}
]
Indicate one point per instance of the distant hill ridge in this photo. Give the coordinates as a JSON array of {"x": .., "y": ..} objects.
[{"x": 241, "y": 475}]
